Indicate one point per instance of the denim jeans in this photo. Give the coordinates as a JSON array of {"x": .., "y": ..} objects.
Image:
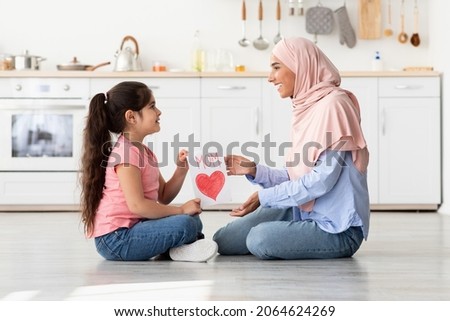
[
  {"x": 271, "y": 233},
  {"x": 149, "y": 238}
]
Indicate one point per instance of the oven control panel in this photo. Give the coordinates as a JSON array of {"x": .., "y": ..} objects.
[{"x": 35, "y": 88}]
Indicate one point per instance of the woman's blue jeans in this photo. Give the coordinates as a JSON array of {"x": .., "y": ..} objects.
[
  {"x": 149, "y": 238},
  {"x": 271, "y": 233}
]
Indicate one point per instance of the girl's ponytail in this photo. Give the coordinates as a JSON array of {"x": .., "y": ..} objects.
[{"x": 96, "y": 149}]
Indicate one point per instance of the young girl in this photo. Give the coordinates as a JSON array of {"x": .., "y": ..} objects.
[{"x": 124, "y": 197}]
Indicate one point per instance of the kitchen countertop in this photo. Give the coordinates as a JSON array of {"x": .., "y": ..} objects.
[{"x": 145, "y": 74}]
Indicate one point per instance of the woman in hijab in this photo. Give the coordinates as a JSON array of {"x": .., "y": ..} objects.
[{"x": 317, "y": 207}]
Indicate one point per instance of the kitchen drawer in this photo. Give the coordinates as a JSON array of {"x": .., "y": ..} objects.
[
  {"x": 39, "y": 188},
  {"x": 231, "y": 87},
  {"x": 44, "y": 88},
  {"x": 409, "y": 87},
  {"x": 161, "y": 87}
]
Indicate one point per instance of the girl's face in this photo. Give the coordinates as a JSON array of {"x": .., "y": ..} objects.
[
  {"x": 148, "y": 118},
  {"x": 282, "y": 77}
]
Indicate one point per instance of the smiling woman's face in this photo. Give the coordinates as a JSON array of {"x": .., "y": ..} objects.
[{"x": 282, "y": 77}]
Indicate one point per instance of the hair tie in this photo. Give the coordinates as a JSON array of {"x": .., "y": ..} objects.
[{"x": 106, "y": 98}]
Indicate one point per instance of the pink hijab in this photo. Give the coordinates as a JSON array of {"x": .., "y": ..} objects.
[{"x": 324, "y": 116}]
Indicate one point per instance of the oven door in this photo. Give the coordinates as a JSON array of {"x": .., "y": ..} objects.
[{"x": 41, "y": 134}]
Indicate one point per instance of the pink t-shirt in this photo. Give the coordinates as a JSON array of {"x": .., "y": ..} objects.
[{"x": 113, "y": 211}]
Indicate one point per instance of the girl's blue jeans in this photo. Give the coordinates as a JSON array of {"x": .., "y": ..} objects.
[
  {"x": 271, "y": 233},
  {"x": 149, "y": 238}
]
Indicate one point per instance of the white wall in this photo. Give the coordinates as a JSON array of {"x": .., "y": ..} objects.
[{"x": 93, "y": 30}]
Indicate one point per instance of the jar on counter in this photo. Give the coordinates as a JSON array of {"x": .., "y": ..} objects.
[
  {"x": 159, "y": 66},
  {"x": 6, "y": 62},
  {"x": 239, "y": 68}
]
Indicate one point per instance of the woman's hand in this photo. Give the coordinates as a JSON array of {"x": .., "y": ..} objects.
[
  {"x": 250, "y": 205},
  {"x": 191, "y": 207},
  {"x": 238, "y": 165},
  {"x": 182, "y": 161}
]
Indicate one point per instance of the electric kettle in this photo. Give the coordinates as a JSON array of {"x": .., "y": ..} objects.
[{"x": 128, "y": 59}]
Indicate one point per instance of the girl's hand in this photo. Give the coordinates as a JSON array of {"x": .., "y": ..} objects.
[
  {"x": 182, "y": 161},
  {"x": 191, "y": 207},
  {"x": 238, "y": 165},
  {"x": 250, "y": 205}
]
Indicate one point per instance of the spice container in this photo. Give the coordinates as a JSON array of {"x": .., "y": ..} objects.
[
  {"x": 6, "y": 62},
  {"x": 239, "y": 68},
  {"x": 158, "y": 66}
]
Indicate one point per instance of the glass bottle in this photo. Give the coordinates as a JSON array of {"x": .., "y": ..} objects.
[{"x": 197, "y": 54}]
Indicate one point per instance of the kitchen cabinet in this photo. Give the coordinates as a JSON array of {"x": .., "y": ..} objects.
[
  {"x": 409, "y": 142},
  {"x": 278, "y": 122},
  {"x": 243, "y": 114},
  {"x": 179, "y": 102},
  {"x": 216, "y": 114},
  {"x": 52, "y": 189},
  {"x": 400, "y": 117},
  {"x": 277, "y": 113},
  {"x": 231, "y": 113},
  {"x": 366, "y": 91},
  {"x": 180, "y": 124}
]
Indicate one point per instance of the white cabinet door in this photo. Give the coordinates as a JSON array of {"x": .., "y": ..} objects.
[
  {"x": 179, "y": 102},
  {"x": 230, "y": 124},
  {"x": 366, "y": 91},
  {"x": 277, "y": 115},
  {"x": 180, "y": 128},
  {"x": 410, "y": 150},
  {"x": 277, "y": 122}
]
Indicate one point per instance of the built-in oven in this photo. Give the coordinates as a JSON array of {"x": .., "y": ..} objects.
[{"x": 41, "y": 125}]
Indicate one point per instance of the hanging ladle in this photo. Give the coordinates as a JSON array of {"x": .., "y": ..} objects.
[
  {"x": 415, "y": 39},
  {"x": 402, "y": 37},
  {"x": 260, "y": 43},
  {"x": 278, "y": 35},
  {"x": 244, "y": 42}
]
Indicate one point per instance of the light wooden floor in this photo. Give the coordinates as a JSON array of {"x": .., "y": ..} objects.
[{"x": 44, "y": 256}]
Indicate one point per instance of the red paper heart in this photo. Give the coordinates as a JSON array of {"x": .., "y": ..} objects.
[{"x": 210, "y": 185}]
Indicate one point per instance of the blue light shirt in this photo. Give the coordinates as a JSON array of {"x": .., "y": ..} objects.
[{"x": 338, "y": 188}]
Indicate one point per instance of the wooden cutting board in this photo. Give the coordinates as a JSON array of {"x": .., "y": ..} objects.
[{"x": 369, "y": 15}]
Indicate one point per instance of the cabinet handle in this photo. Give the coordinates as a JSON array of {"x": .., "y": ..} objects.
[
  {"x": 383, "y": 122},
  {"x": 257, "y": 122},
  {"x": 153, "y": 87},
  {"x": 402, "y": 87},
  {"x": 231, "y": 87}
]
